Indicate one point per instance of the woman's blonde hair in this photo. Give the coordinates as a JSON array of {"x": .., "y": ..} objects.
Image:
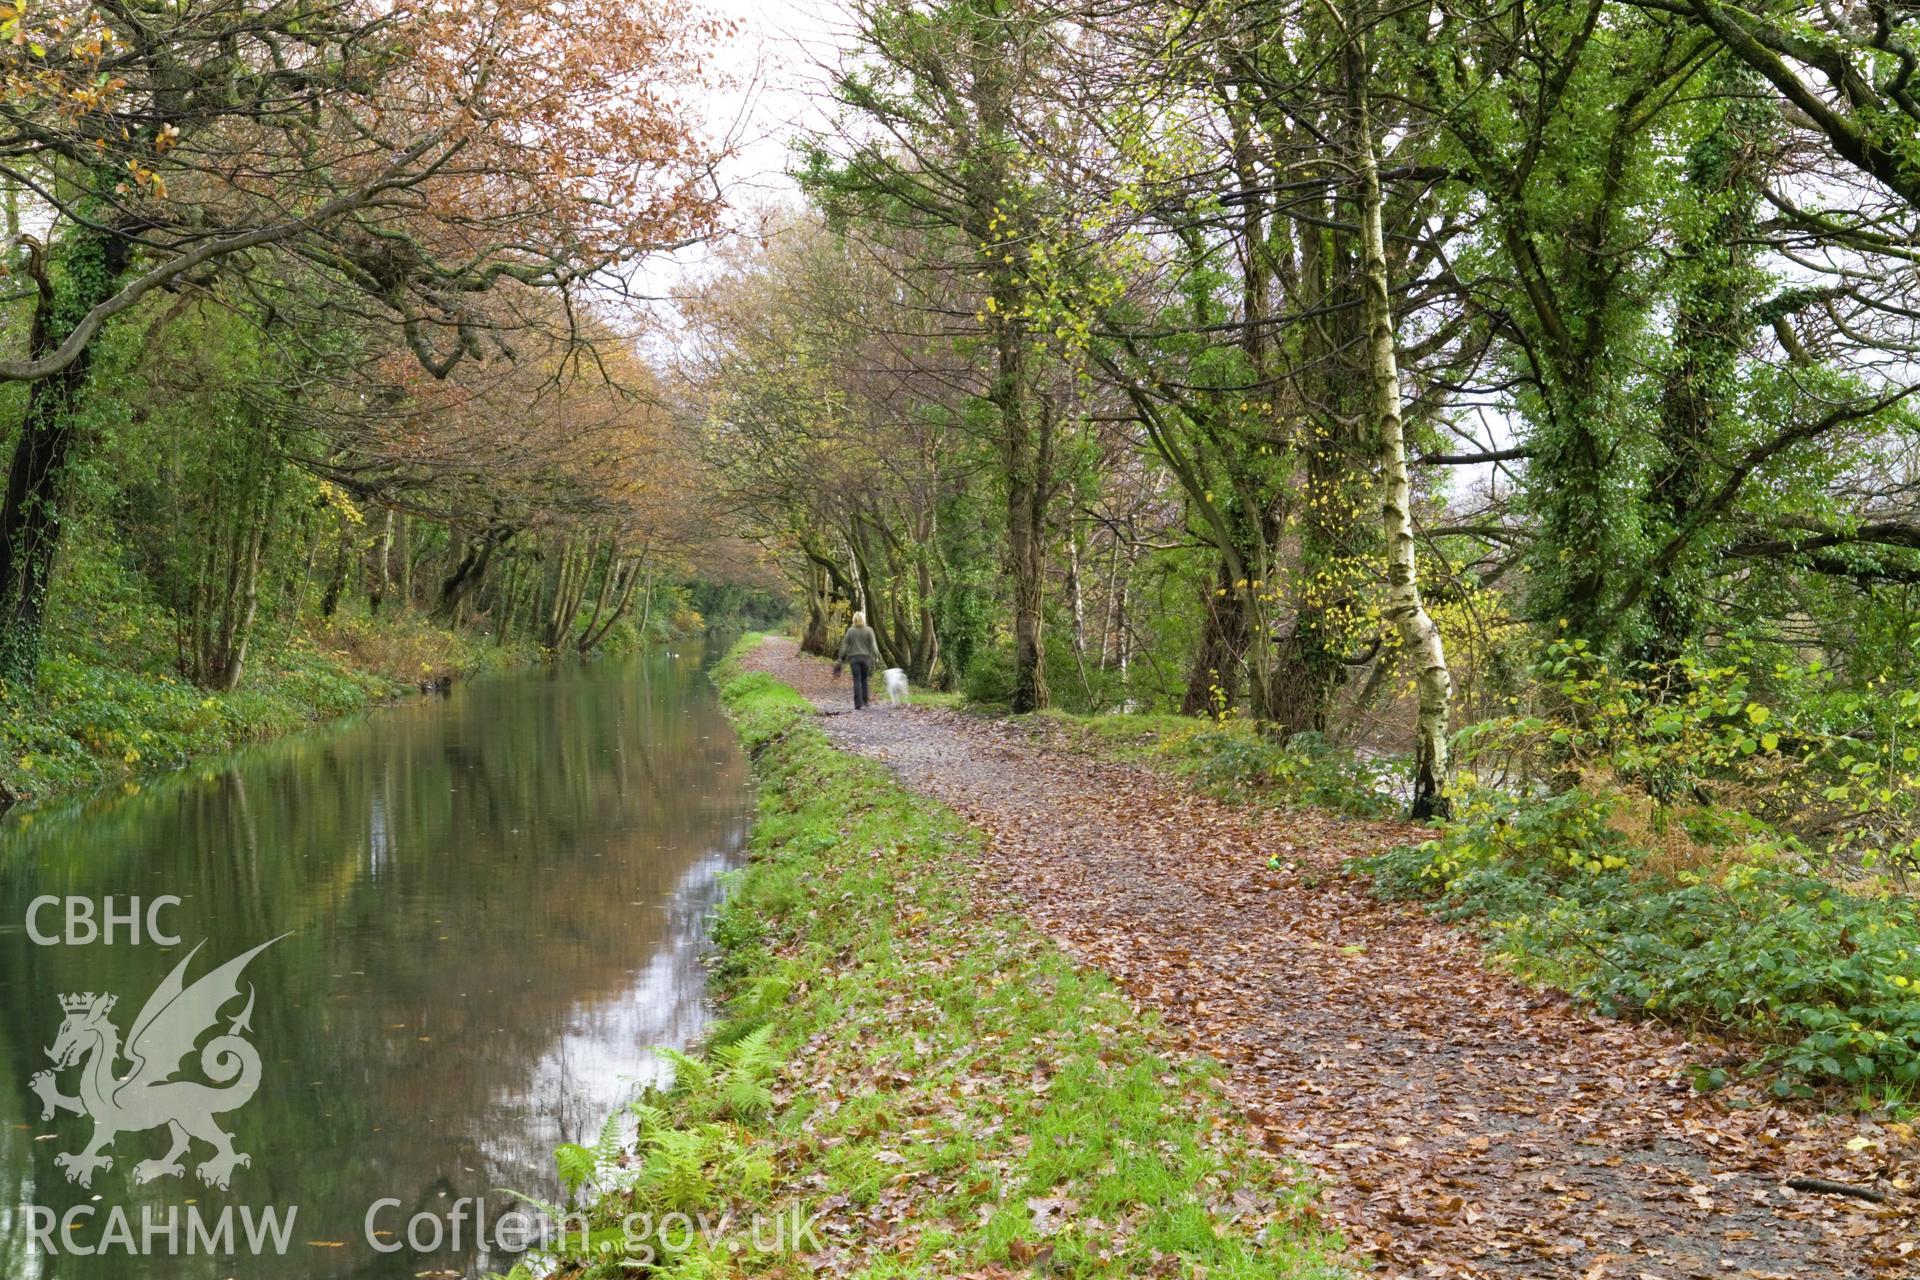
[{"x": 859, "y": 617}]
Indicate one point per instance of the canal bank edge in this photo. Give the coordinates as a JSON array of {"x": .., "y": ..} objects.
[
  {"x": 93, "y": 720},
  {"x": 933, "y": 1088}
]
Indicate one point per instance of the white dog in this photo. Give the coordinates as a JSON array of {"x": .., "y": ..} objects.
[{"x": 896, "y": 685}]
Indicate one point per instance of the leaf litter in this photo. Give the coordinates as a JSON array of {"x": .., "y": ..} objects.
[{"x": 1462, "y": 1123}]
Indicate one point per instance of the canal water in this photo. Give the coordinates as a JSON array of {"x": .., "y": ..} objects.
[{"x": 488, "y": 908}]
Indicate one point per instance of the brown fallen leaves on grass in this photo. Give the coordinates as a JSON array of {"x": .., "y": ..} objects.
[{"x": 1465, "y": 1124}]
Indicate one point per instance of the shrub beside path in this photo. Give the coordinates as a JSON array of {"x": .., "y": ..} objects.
[{"x": 1462, "y": 1124}]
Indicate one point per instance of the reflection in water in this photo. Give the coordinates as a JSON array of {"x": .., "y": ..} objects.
[{"x": 495, "y": 903}]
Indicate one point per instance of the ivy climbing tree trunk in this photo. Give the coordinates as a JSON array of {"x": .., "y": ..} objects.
[
  {"x": 87, "y": 263},
  {"x": 1404, "y": 608},
  {"x": 1719, "y": 287},
  {"x": 961, "y": 80},
  {"x": 1026, "y": 436},
  {"x": 1024, "y": 455},
  {"x": 337, "y": 576},
  {"x": 1213, "y": 680},
  {"x": 1333, "y": 546}
]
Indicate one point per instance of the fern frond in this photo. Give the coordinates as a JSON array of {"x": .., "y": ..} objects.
[
  {"x": 612, "y": 1138},
  {"x": 675, "y": 1172},
  {"x": 695, "y": 1264},
  {"x": 689, "y": 1073},
  {"x": 575, "y": 1164},
  {"x": 752, "y": 1053},
  {"x": 745, "y": 1097},
  {"x": 652, "y": 1119}
]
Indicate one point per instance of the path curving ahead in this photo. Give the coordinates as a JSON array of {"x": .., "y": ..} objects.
[{"x": 1463, "y": 1125}]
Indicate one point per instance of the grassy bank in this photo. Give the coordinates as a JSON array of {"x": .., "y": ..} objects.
[
  {"x": 943, "y": 1087},
  {"x": 108, "y": 703}
]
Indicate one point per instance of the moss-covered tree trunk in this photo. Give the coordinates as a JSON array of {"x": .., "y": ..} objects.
[
  {"x": 1719, "y": 287},
  {"x": 85, "y": 268}
]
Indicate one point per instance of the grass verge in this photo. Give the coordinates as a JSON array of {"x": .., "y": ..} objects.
[{"x": 936, "y": 1087}]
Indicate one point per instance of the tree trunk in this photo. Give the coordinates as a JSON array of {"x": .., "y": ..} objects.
[
  {"x": 404, "y": 536},
  {"x": 238, "y": 511},
  {"x": 1107, "y": 605},
  {"x": 1076, "y": 593},
  {"x": 509, "y": 603},
  {"x": 468, "y": 570},
  {"x": 239, "y": 634},
  {"x": 1213, "y": 681},
  {"x": 312, "y": 529},
  {"x": 624, "y": 576},
  {"x": 1404, "y": 608},
  {"x": 813, "y": 639},
  {"x": 337, "y": 578},
  {"x": 1024, "y": 457},
  {"x": 608, "y": 573},
  {"x": 382, "y": 563},
  {"x": 1712, "y": 322},
  {"x": 91, "y": 263},
  {"x": 1333, "y": 549},
  {"x": 1025, "y": 437},
  {"x": 1123, "y": 630},
  {"x": 646, "y": 605},
  {"x": 569, "y": 588},
  {"x": 927, "y": 652},
  {"x": 883, "y": 620}
]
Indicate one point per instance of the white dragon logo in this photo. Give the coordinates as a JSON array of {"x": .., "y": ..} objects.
[{"x": 163, "y": 1035}]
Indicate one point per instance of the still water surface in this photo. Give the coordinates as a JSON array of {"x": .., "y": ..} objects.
[{"x": 494, "y": 906}]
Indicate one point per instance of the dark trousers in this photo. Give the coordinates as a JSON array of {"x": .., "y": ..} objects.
[{"x": 861, "y": 668}]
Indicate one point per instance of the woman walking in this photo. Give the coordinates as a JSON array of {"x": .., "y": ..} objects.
[{"x": 858, "y": 650}]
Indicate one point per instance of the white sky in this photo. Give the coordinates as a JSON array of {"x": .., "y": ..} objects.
[{"x": 774, "y": 69}]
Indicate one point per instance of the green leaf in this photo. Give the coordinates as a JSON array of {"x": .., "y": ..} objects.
[{"x": 574, "y": 1163}]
